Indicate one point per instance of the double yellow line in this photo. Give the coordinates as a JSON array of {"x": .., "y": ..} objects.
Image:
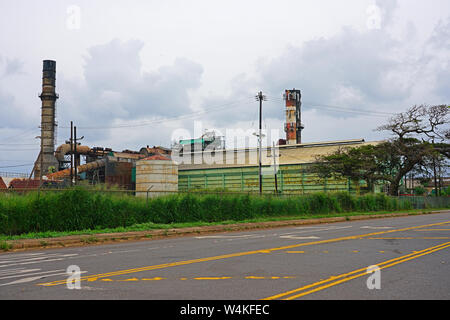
[
  {"x": 232, "y": 255},
  {"x": 335, "y": 280}
]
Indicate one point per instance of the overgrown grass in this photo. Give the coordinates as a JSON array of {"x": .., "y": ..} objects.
[
  {"x": 78, "y": 209},
  {"x": 155, "y": 226},
  {"x": 5, "y": 246}
]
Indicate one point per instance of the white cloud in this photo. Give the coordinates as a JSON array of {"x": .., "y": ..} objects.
[{"x": 150, "y": 61}]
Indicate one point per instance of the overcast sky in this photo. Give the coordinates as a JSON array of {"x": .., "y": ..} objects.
[{"x": 125, "y": 66}]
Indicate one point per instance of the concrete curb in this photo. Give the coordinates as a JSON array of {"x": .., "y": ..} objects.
[{"x": 107, "y": 238}]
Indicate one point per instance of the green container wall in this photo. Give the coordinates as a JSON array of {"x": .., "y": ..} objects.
[{"x": 291, "y": 179}]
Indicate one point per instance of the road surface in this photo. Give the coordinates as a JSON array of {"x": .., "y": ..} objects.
[{"x": 327, "y": 261}]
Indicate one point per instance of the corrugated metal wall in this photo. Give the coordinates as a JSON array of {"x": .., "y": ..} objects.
[
  {"x": 295, "y": 178},
  {"x": 159, "y": 176},
  {"x": 120, "y": 174}
]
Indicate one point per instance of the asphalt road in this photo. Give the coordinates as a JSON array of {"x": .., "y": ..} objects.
[{"x": 327, "y": 261}]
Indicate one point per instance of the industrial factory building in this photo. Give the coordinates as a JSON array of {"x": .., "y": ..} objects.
[
  {"x": 290, "y": 163},
  {"x": 202, "y": 163}
]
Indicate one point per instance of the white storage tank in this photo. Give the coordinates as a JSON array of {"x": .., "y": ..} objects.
[{"x": 156, "y": 176}]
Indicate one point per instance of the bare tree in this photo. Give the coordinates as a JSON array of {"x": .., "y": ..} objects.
[
  {"x": 427, "y": 123},
  {"x": 423, "y": 122}
]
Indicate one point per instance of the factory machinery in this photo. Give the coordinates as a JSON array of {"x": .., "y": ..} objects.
[
  {"x": 102, "y": 165},
  {"x": 208, "y": 141}
]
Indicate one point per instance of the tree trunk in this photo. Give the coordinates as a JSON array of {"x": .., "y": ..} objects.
[
  {"x": 395, "y": 185},
  {"x": 435, "y": 178}
]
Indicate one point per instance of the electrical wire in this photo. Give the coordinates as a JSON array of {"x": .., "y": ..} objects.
[
  {"x": 17, "y": 150},
  {"x": 24, "y": 133},
  {"x": 339, "y": 108},
  {"x": 18, "y": 144},
  {"x": 16, "y": 166},
  {"x": 185, "y": 116}
]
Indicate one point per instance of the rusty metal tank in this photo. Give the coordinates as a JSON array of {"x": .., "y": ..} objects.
[{"x": 156, "y": 176}]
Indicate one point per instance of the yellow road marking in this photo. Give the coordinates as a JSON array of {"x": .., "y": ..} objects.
[
  {"x": 411, "y": 238},
  {"x": 212, "y": 278},
  {"x": 132, "y": 279},
  {"x": 363, "y": 274},
  {"x": 233, "y": 255},
  {"x": 153, "y": 279},
  {"x": 333, "y": 280},
  {"x": 196, "y": 278}
]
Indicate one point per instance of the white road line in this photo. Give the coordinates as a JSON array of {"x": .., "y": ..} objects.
[
  {"x": 20, "y": 255},
  {"x": 230, "y": 237},
  {"x": 3, "y": 272},
  {"x": 31, "y": 279},
  {"x": 370, "y": 227},
  {"x": 17, "y": 272},
  {"x": 32, "y": 274},
  {"x": 55, "y": 255},
  {"x": 299, "y": 238},
  {"x": 30, "y": 262},
  {"x": 316, "y": 230}
]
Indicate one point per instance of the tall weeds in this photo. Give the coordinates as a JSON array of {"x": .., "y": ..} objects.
[{"x": 80, "y": 209}]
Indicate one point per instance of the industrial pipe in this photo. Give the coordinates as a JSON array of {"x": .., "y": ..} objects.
[
  {"x": 64, "y": 149},
  {"x": 83, "y": 168}
]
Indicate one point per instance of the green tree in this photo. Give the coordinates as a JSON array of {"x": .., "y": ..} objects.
[{"x": 413, "y": 145}]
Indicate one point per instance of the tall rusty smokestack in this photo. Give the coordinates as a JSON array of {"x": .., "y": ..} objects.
[
  {"x": 48, "y": 121},
  {"x": 293, "y": 125}
]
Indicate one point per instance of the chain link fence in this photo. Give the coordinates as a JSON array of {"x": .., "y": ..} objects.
[{"x": 427, "y": 202}]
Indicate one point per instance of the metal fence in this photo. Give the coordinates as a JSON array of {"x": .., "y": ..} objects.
[
  {"x": 14, "y": 175},
  {"x": 427, "y": 202}
]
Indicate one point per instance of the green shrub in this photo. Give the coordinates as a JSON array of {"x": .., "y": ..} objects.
[
  {"x": 419, "y": 191},
  {"x": 81, "y": 209}
]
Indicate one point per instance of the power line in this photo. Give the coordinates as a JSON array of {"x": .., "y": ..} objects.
[
  {"x": 18, "y": 144},
  {"x": 185, "y": 116},
  {"x": 24, "y": 133},
  {"x": 17, "y": 150},
  {"x": 350, "y": 109},
  {"x": 340, "y": 108},
  {"x": 22, "y": 165}
]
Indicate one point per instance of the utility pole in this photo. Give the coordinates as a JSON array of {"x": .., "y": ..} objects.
[
  {"x": 260, "y": 97},
  {"x": 75, "y": 152},
  {"x": 71, "y": 153},
  {"x": 41, "y": 164},
  {"x": 75, "y": 139},
  {"x": 275, "y": 156}
]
